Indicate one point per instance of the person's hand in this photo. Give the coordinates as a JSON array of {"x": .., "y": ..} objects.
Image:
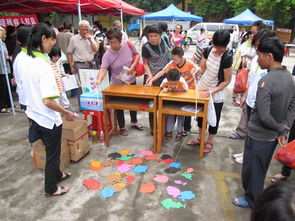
[
  {"x": 69, "y": 116},
  {"x": 243, "y": 101},
  {"x": 97, "y": 83},
  {"x": 130, "y": 72},
  {"x": 66, "y": 75},
  {"x": 205, "y": 94},
  {"x": 72, "y": 69},
  {"x": 244, "y": 63},
  {"x": 149, "y": 82},
  {"x": 13, "y": 83},
  {"x": 282, "y": 141},
  {"x": 165, "y": 90}
]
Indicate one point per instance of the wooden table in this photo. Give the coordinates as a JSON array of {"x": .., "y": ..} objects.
[
  {"x": 171, "y": 103},
  {"x": 130, "y": 97}
]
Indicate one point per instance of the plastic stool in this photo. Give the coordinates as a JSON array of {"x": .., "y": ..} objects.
[{"x": 97, "y": 120}]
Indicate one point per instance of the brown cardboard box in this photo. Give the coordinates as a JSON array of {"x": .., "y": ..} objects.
[
  {"x": 39, "y": 155},
  {"x": 73, "y": 130},
  {"x": 79, "y": 148}
]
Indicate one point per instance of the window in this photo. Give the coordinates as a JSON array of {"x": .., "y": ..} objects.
[
  {"x": 198, "y": 27},
  {"x": 212, "y": 27}
]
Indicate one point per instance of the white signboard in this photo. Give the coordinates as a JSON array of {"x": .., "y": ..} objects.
[{"x": 88, "y": 78}]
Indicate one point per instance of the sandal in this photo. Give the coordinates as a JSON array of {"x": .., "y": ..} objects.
[
  {"x": 63, "y": 190},
  {"x": 278, "y": 177},
  {"x": 178, "y": 136},
  {"x": 194, "y": 142},
  {"x": 168, "y": 136},
  {"x": 124, "y": 132},
  {"x": 208, "y": 147},
  {"x": 137, "y": 127},
  {"x": 184, "y": 133},
  {"x": 241, "y": 202},
  {"x": 65, "y": 176},
  {"x": 4, "y": 110}
]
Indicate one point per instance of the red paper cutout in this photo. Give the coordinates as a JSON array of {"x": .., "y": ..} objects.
[
  {"x": 130, "y": 179},
  {"x": 96, "y": 168},
  {"x": 167, "y": 161},
  {"x": 147, "y": 188},
  {"x": 152, "y": 157},
  {"x": 91, "y": 184},
  {"x": 135, "y": 161},
  {"x": 120, "y": 162}
]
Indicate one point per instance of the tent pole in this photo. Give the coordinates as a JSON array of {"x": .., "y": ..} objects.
[
  {"x": 121, "y": 13},
  {"x": 79, "y": 10},
  {"x": 6, "y": 76}
]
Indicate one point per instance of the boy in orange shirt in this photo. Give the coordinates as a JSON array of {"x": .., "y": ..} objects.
[{"x": 174, "y": 83}]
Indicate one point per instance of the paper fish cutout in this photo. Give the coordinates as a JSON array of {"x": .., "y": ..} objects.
[
  {"x": 129, "y": 179},
  {"x": 125, "y": 158},
  {"x": 95, "y": 163},
  {"x": 135, "y": 161},
  {"x": 187, "y": 195},
  {"x": 114, "y": 178},
  {"x": 124, "y": 152},
  {"x": 124, "y": 168},
  {"x": 167, "y": 160},
  {"x": 140, "y": 169},
  {"x": 114, "y": 155},
  {"x": 170, "y": 204},
  {"x": 165, "y": 156},
  {"x": 147, "y": 188},
  {"x": 175, "y": 164},
  {"x": 109, "y": 162},
  {"x": 189, "y": 170},
  {"x": 96, "y": 168},
  {"x": 188, "y": 176},
  {"x": 180, "y": 182},
  {"x": 118, "y": 187},
  {"x": 145, "y": 153},
  {"x": 161, "y": 179},
  {"x": 152, "y": 157},
  {"x": 120, "y": 162},
  {"x": 173, "y": 191},
  {"x": 91, "y": 184},
  {"x": 172, "y": 170},
  {"x": 106, "y": 192}
]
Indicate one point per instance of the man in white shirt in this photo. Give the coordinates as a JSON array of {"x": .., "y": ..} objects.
[{"x": 117, "y": 24}]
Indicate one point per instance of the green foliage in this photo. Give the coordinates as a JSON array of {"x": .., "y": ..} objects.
[{"x": 152, "y": 5}]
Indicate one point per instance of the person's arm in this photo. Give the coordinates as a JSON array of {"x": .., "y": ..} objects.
[
  {"x": 133, "y": 65},
  {"x": 93, "y": 45},
  {"x": 71, "y": 62},
  {"x": 147, "y": 68},
  {"x": 52, "y": 104},
  {"x": 102, "y": 72},
  {"x": 202, "y": 67},
  {"x": 97, "y": 43},
  {"x": 156, "y": 77}
]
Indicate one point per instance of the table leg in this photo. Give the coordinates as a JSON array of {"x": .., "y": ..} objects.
[
  {"x": 159, "y": 134},
  {"x": 155, "y": 132},
  {"x": 164, "y": 120},
  {"x": 115, "y": 123},
  {"x": 203, "y": 133},
  {"x": 106, "y": 131}
]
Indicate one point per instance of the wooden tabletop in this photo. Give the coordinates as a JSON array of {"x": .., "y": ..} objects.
[
  {"x": 127, "y": 90},
  {"x": 189, "y": 95}
]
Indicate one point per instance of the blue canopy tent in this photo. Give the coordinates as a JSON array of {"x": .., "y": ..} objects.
[
  {"x": 247, "y": 17},
  {"x": 172, "y": 13}
]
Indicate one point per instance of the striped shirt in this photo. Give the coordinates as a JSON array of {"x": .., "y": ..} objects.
[{"x": 209, "y": 79}]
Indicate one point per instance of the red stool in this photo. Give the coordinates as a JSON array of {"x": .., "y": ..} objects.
[{"x": 97, "y": 120}]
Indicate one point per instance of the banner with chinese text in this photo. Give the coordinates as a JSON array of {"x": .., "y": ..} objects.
[{"x": 17, "y": 20}]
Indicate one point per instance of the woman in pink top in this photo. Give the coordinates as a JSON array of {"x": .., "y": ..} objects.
[
  {"x": 117, "y": 58},
  {"x": 176, "y": 37}
]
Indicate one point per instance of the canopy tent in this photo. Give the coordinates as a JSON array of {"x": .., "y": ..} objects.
[
  {"x": 172, "y": 13},
  {"x": 247, "y": 17}
]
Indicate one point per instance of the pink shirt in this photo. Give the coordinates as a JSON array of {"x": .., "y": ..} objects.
[
  {"x": 117, "y": 59},
  {"x": 177, "y": 36}
]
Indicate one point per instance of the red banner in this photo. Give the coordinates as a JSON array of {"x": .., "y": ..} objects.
[{"x": 16, "y": 20}]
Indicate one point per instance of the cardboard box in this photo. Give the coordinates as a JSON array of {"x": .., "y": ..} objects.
[
  {"x": 90, "y": 101},
  {"x": 78, "y": 148},
  {"x": 39, "y": 155},
  {"x": 73, "y": 130}
]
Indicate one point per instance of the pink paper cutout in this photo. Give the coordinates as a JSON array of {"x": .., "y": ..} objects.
[
  {"x": 180, "y": 182},
  {"x": 161, "y": 179},
  {"x": 173, "y": 191},
  {"x": 145, "y": 153},
  {"x": 190, "y": 170},
  {"x": 124, "y": 168}
]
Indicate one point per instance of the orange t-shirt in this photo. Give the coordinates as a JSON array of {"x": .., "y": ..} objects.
[
  {"x": 185, "y": 71},
  {"x": 181, "y": 85}
]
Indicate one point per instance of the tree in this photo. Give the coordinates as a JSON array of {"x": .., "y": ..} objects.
[{"x": 152, "y": 5}]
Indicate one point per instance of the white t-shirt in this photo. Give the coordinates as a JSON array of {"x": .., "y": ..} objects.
[
  {"x": 247, "y": 49},
  {"x": 39, "y": 84},
  {"x": 18, "y": 69},
  {"x": 255, "y": 74}
]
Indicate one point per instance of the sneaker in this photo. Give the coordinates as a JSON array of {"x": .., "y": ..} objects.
[
  {"x": 238, "y": 155},
  {"x": 239, "y": 160}
]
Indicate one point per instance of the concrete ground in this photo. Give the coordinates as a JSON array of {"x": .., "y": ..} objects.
[{"x": 216, "y": 178}]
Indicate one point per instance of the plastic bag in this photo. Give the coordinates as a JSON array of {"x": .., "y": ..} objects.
[
  {"x": 241, "y": 81},
  {"x": 211, "y": 119},
  {"x": 125, "y": 77},
  {"x": 286, "y": 154}
]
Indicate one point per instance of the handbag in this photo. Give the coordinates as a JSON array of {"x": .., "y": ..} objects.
[
  {"x": 139, "y": 69},
  {"x": 241, "y": 81},
  {"x": 286, "y": 154}
]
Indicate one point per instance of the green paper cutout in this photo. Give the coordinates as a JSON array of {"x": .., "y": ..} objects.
[
  {"x": 170, "y": 204},
  {"x": 188, "y": 176},
  {"x": 125, "y": 158}
]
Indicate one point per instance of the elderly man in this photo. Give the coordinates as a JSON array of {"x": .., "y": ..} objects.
[
  {"x": 117, "y": 24},
  {"x": 81, "y": 50}
]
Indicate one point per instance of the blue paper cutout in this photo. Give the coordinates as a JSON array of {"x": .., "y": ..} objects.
[
  {"x": 140, "y": 169},
  {"x": 107, "y": 192},
  {"x": 186, "y": 195},
  {"x": 175, "y": 164}
]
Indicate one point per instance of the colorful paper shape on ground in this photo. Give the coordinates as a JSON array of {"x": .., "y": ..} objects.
[
  {"x": 125, "y": 158},
  {"x": 173, "y": 191},
  {"x": 124, "y": 168},
  {"x": 140, "y": 169},
  {"x": 118, "y": 187},
  {"x": 165, "y": 156},
  {"x": 109, "y": 163},
  {"x": 120, "y": 162},
  {"x": 171, "y": 204},
  {"x": 135, "y": 161},
  {"x": 180, "y": 182},
  {"x": 147, "y": 188},
  {"x": 189, "y": 170},
  {"x": 124, "y": 152},
  {"x": 95, "y": 163},
  {"x": 152, "y": 157},
  {"x": 114, "y": 155},
  {"x": 172, "y": 170},
  {"x": 91, "y": 184},
  {"x": 145, "y": 153},
  {"x": 188, "y": 176},
  {"x": 167, "y": 161},
  {"x": 187, "y": 195},
  {"x": 129, "y": 179},
  {"x": 175, "y": 164},
  {"x": 114, "y": 178},
  {"x": 161, "y": 179},
  {"x": 96, "y": 168},
  {"x": 106, "y": 192}
]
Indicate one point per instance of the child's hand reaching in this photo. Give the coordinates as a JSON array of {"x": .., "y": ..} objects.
[{"x": 165, "y": 90}]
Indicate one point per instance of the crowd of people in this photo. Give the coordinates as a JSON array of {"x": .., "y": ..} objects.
[{"x": 39, "y": 56}]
